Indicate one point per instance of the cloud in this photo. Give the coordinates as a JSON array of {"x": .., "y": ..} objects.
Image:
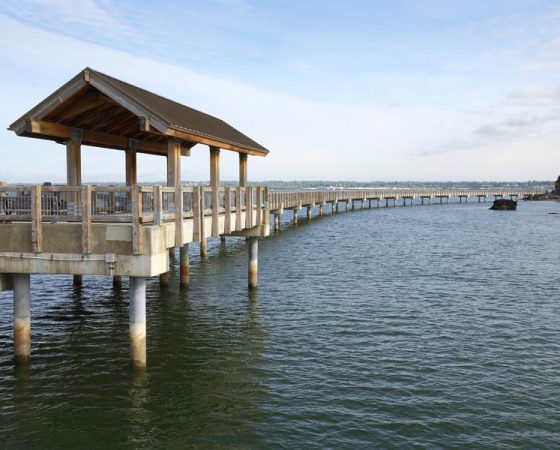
[
  {"x": 72, "y": 17},
  {"x": 308, "y": 139}
]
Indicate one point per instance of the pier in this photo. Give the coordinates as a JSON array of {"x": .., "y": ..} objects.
[{"x": 129, "y": 231}]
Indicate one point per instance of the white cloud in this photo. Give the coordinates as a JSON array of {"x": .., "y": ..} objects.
[{"x": 308, "y": 139}]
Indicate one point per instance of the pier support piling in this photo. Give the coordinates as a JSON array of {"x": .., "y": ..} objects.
[
  {"x": 276, "y": 221},
  {"x": 253, "y": 271},
  {"x": 77, "y": 280},
  {"x": 295, "y": 216},
  {"x": 137, "y": 319},
  {"x": 117, "y": 282},
  {"x": 164, "y": 279},
  {"x": 184, "y": 265},
  {"x": 309, "y": 209},
  {"x": 22, "y": 316},
  {"x": 203, "y": 248}
]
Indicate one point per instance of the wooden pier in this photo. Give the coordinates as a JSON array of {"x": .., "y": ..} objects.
[{"x": 129, "y": 231}]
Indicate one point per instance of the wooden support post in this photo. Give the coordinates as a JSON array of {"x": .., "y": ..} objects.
[
  {"x": 137, "y": 235},
  {"x": 238, "y": 209},
  {"x": 184, "y": 265},
  {"x": 158, "y": 205},
  {"x": 131, "y": 162},
  {"x": 74, "y": 175},
  {"x": 22, "y": 316},
  {"x": 174, "y": 181},
  {"x": 249, "y": 208},
  {"x": 202, "y": 234},
  {"x": 86, "y": 219},
  {"x": 215, "y": 184},
  {"x": 178, "y": 218},
  {"x": 253, "y": 269},
  {"x": 265, "y": 209},
  {"x": 259, "y": 206},
  {"x": 36, "y": 220},
  {"x": 137, "y": 322},
  {"x": 227, "y": 207},
  {"x": 243, "y": 169}
]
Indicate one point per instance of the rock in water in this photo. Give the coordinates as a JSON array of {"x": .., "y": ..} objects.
[{"x": 504, "y": 205}]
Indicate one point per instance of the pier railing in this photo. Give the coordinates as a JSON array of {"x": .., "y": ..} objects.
[
  {"x": 138, "y": 205},
  {"x": 290, "y": 200}
]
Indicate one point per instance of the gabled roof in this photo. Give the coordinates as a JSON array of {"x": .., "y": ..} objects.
[{"x": 107, "y": 110}]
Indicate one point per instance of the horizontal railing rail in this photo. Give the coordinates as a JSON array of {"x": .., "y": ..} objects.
[
  {"x": 138, "y": 205},
  {"x": 295, "y": 199}
]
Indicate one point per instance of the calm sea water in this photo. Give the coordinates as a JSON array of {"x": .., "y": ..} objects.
[{"x": 423, "y": 327}]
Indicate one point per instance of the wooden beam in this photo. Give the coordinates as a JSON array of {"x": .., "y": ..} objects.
[
  {"x": 93, "y": 138},
  {"x": 213, "y": 142}
]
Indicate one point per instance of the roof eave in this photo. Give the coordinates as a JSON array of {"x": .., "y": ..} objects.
[{"x": 215, "y": 142}]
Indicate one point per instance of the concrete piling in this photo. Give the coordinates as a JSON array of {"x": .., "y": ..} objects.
[
  {"x": 253, "y": 270},
  {"x": 77, "y": 280},
  {"x": 137, "y": 319},
  {"x": 309, "y": 209},
  {"x": 203, "y": 248},
  {"x": 277, "y": 221},
  {"x": 22, "y": 316},
  {"x": 295, "y": 216},
  {"x": 321, "y": 210},
  {"x": 184, "y": 265}
]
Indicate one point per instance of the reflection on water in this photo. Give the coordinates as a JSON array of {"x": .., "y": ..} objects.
[{"x": 429, "y": 327}]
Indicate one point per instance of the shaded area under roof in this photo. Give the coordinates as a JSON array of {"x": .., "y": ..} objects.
[{"x": 106, "y": 109}]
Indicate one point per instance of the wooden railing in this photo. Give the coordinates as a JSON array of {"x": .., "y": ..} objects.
[
  {"x": 138, "y": 205},
  {"x": 288, "y": 200}
]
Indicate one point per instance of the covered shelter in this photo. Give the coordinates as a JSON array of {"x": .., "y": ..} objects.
[{"x": 101, "y": 111}]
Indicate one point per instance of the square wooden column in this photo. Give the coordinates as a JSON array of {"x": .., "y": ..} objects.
[
  {"x": 74, "y": 174},
  {"x": 173, "y": 162},
  {"x": 131, "y": 165},
  {"x": 74, "y": 159},
  {"x": 243, "y": 169}
]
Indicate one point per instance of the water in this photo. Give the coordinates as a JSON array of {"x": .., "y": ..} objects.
[{"x": 422, "y": 327}]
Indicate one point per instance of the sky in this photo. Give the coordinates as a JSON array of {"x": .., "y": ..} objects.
[{"x": 357, "y": 90}]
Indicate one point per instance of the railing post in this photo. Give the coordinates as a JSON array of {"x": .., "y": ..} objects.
[
  {"x": 259, "y": 219},
  {"x": 266, "y": 209},
  {"x": 3, "y": 199},
  {"x": 178, "y": 216},
  {"x": 215, "y": 211},
  {"x": 249, "y": 207},
  {"x": 137, "y": 238},
  {"x": 196, "y": 213},
  {"x": 86, "y": 219},
  {"x": 36, "y": 220},
  {"x": 227, "y": 207},
  {"x": 158, "y": 205},
  {"x": 202, "y": 231},
  {"x": 238, "y": 210}
]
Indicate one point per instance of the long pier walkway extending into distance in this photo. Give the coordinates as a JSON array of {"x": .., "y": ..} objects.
[
  {"x": 362, "y": 198},
  {"x": 79, "y": 229}
]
